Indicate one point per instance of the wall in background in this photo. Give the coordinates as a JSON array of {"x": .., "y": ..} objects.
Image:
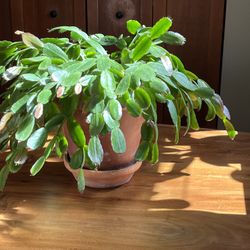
[{"x": 235, "y": 85}]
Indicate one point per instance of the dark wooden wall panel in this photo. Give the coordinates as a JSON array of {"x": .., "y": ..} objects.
[
  {"x": 5, "y": 21},
  {"x": 37, "y": 16},
  {"x": 102, "y": 15}
]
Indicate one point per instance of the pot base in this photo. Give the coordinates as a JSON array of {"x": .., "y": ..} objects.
[{"x": 108, "y": 178}]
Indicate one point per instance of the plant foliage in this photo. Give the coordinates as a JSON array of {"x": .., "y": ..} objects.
[{"x": 49, "y": 79}]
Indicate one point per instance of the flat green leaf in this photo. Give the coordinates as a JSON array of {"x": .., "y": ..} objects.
[
  {"x": 53, "y": 51},
  {"x": 82, "y": 35},
  {"x": 204, "y": 92},
  {"x": 44, "y": 96},
  {"x": 141, "y": 48},
  {"x": 72, "y": 79},
  {"x": 4, "y": 173},
  {"x": 77, "y": 159},
  {"x": 31, "y": 77},
  {"x": 161, "y": 27},
  {"x": 30, "y": 40},
  {"x": 193, "y": 121},
  {"x": 108, "y": 83},
  {"x": 142, "y": 151},
  {"x": 95, "y": 151},
  {"x": 133, "y": 108},
  {"x": 144, "y": 72},
  {"x": 37, "y": 166},
  {"x": 81, "y": 181},
  {"x": 115, "y": 109},
  {"x": 175, "y": 119},
  {"x": 109, "y": 120},
  {"x": 173, "y": 38},
  {"x": 183, "y": 81},
  {"x": 20, "y": 103},
  {"x": 62, "y": 145},
  {"x": 50, "y": 147},
  {"x": 147, "y": 132},
  {"x": 154, "y": 154},
  {"x": 55, "y": 121},
  {"x": 133, "y": 26},
  {"x": 158, "y": 86},
  {"x": 103, "y": 63},
  {"x": 96, "y": 124},
  {"x": 37, "y": 138},
  {"x": 80, "y": 66},
  {"x": 142, "y": 98},
  {"x": 230, "y": 129},
  {"x": 32, "y": 60},
  {"x": 157, "y": 51},
  {"x": 76, "y": 132},
  {"x": 45, "y": 64},
  {"x": 211, "y": 113},
  {"x": 25, "y": 129},
  {"x": 123, "y": 85},
  {"x": 118, "y": 141}
]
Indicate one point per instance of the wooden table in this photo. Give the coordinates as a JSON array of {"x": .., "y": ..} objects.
[{"x": 197, "y": 197}]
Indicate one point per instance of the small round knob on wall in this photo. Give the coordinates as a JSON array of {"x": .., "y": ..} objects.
[
  {"x": 119, "y": 14},
  {"x": 53, "y": 14}
]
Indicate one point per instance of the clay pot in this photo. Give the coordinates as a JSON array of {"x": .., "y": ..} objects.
[{"x": 116, "y": 169}]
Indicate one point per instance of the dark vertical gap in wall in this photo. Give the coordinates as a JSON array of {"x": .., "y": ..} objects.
[
  {"x": 86, "y": 16},
  {"x": 222, "y": 45},
  {"x": 10, "y": 21}
]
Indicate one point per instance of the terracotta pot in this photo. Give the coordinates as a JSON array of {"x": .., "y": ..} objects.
[{"x": 116, "y": 169}]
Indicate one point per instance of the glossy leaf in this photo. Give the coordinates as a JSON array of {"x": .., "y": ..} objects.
[
  {"x": 81, "y": 181},
  {"x": 133, "y": 26},
  {"x": 31, "y": 77},
  {"x": 133, "y": 108},
  {"x": 96, "y": 124},
  {"x": 95, "y": 151},
  {"x": 37, "y": 166},
  {"x": 161, "y": 27},
  {"x": 115, "y": 109},
  {"x": 144, "y": 72},
  {"x": 230, "y": 129},
  {"x": 76, "y": 132},
  {"x": 103, "y": 63},
  {"x": 173, "y": 38},
  {"x": 142, "y": 98},
  {"x": 142, "y": 151},
  {"x": 154, "y": 153},
  {"x": 109, "y": 120},
  {"x": 37, "y": 138},
  {"x": 175, "y": 119},
  {"x": 25, "y": 129},
  {"x": 30, "y": 40},
  {"x": 77, "y": 159},
  {"x": 141, "y": 48},
  {"x": 52, "y": 50},
  {"x": 123, "y": 85},
  {"x": 20, "y": 103},
  {"x": 147, "y": 132},
  {"x": 118, "y": 140},
  {"x": 44, "y": 96},
  {"x": 183, "y": 81},
  {"x": 194, "y": 123},
  {"x": 83, "y": 36}
]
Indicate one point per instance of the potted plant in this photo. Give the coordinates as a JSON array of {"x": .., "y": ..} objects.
[{"x": 99, "y": 108}]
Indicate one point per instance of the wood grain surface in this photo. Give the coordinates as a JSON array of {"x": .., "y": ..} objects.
[{"x": 197, "y": 197}]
